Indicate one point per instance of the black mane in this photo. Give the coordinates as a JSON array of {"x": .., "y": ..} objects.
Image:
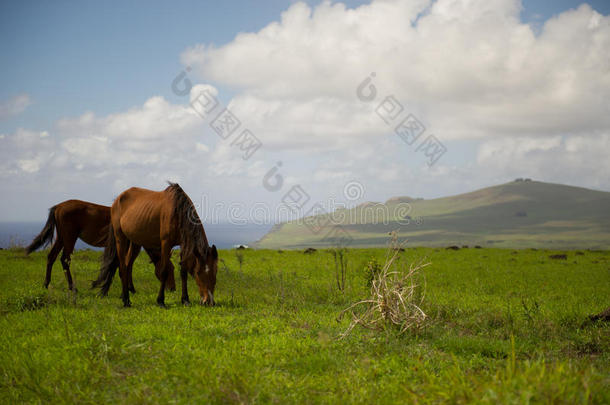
[{"x": 192, "y": 235}]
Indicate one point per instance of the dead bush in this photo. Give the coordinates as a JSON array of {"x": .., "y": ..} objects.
[{"x": 395, "y": 297}]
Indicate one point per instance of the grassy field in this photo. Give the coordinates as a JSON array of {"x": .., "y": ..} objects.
[{"x": 503, "y": 326}]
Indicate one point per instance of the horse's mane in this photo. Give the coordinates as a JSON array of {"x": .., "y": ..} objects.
[{"x": 190, "y": 228}]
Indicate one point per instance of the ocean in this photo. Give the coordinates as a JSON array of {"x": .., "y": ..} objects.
[{"x": 224, "y": 236}]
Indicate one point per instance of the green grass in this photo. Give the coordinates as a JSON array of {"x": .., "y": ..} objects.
[{"x": 504, "y": 326}]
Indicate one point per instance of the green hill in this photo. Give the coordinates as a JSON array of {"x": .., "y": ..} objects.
[{"x": 522, "y": 213}]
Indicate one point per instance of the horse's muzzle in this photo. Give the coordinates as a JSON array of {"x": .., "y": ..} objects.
[{"x": 209, "y": 301}]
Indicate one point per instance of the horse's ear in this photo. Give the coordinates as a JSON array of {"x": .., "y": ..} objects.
[{"x": 214, "y": 252}]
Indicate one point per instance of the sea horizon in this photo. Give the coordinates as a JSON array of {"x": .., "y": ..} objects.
[{"x": 223, "y": 235}]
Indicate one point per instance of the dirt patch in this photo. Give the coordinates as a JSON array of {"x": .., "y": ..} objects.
[{"x": 602, "y": 316}]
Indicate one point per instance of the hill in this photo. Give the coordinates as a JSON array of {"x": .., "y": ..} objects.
[{"x": 521, "y": 213}]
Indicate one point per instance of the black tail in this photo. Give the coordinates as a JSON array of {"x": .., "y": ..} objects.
[
  {"x": 110, "y": 263},
  {"x": 45, "y": 236}
]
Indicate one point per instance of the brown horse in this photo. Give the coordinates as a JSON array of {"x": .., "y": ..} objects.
[
  {"x": 75, "y": 219},
  {"x": 160, "y": 220}
]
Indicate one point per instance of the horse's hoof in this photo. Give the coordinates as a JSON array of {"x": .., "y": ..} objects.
[
  {"x": 127, "y": 304},
  {"x": 186, "y": 303},
  {"x": 162, "y": 305}
]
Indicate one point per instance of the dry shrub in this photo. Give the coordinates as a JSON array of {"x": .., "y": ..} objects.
[{"x": 395, "y": 297}]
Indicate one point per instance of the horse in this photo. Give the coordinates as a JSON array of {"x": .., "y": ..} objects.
[
  {"x": 73, "y": 219},
  {"x": 160, "y": 220}
]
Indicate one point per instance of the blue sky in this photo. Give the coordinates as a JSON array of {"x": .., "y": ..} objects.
[
  {"x": 109, "y": 58},
  {"x": 73, "y": 57}
]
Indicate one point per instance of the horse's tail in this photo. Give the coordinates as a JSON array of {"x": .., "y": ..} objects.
[
  {"x": 46, "y": 235},
  {"x": 110, "y": 263}
]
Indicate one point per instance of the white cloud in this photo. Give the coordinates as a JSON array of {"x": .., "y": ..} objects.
[
  {"x": 25, "y": 151},
  {"x": 502, "y": 151},
  {"x": 202, "y": 147},
  {"x": 318, "y": 124},
  {"x": 143, "y": 146},
  {"x": 14, "y": 106},
  {"x": 29, "y": 165},
  {"x": 470, "y": 69},
  {"x": 577, "y": 160},
  {"x": 155, "y": 134},
  {"x": 155, "y": 139}
]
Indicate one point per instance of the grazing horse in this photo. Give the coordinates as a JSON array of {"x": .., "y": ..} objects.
[
  {"x": 75, "y": 219},
  {"x": 160, "y": 220}
]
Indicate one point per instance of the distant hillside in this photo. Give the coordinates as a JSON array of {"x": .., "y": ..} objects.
[{"x": 516, "y": 214}]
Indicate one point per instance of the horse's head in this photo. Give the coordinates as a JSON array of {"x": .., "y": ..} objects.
[{"x": 206, "y": 266}]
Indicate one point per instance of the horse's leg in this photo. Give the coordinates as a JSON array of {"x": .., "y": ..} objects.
[
  {"x": 134, "y": 250},
  {"x": 122, "y": 249},
  {"x": 166, "y": 252},
  {"x": 155, "y": 258},
  {"x": 170, "y": 283},
  {"x": 57, "y": 246},
  {"x": 69, "y": 240},
  {"x": 185, "y": 291},
  {"x": 112, "y": 268}
]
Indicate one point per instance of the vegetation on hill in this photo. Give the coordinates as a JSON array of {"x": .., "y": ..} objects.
[{"x": 517, "y": 214}]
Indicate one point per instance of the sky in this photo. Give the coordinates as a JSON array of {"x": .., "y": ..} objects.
[{"x": 337, "y": 102}]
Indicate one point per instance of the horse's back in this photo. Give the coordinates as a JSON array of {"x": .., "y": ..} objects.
[
  {"x": 136, "y": 198},
  {"x": 83, "y": 219},
  {"x": 137, "y": 212}
]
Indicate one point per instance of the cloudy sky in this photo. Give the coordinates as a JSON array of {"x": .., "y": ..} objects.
[{"x": 351, "y": 101}]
